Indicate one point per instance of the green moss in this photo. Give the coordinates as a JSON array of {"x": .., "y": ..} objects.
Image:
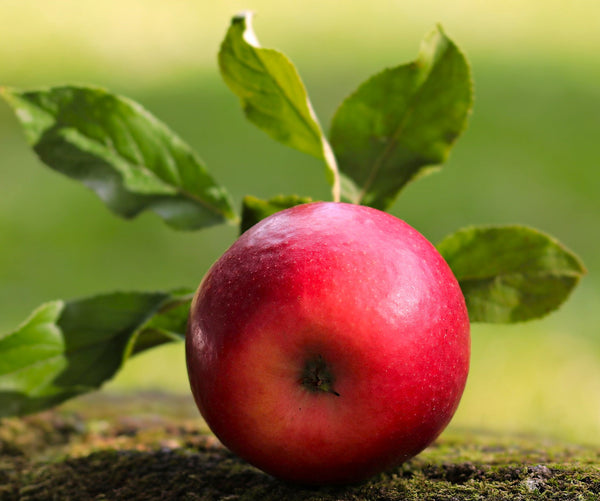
[{"x": 119, "y": 450}]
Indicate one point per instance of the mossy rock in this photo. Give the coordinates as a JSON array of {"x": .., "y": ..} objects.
[{"x": 155, "y": 447}]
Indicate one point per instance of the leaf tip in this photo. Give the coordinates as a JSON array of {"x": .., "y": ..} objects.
[
  {"x": 244, "y": 19},
  {"x": 242, "y": 16},
  {"x": 249, "y": 34}
]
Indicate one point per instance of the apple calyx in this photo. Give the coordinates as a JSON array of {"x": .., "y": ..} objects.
[{"x": 317, "y": 376}]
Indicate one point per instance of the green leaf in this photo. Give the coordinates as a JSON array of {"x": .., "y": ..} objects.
[
  {"x": 65, "y": 349},
  {"x": 169, "y": 324},
  {"x": 401, "y": 122},
  {"x": 272, "y": 94},
  {"x": 254, "y": 209},
  {"x": 118, "y": 149},
  {"x": 510, "y": 273}
]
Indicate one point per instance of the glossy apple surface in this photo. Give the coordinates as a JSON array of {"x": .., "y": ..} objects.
[{"x": 330, "y": 342}]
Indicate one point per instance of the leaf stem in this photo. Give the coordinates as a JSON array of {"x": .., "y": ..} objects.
[{"x": 331, "y": 162}]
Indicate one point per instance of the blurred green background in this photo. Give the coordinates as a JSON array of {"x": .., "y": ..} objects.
[{"x": 530, "y": 155}]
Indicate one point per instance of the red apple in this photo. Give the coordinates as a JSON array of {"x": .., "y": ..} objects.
[{"x": 330, "y": 342}]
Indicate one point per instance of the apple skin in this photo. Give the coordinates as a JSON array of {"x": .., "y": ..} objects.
[{"x": 329, "y": 343}]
